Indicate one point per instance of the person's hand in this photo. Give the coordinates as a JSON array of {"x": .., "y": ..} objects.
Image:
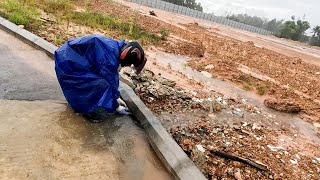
[
  {"x": 123, "y": 110},
  {"x": 121, "y": 102}
]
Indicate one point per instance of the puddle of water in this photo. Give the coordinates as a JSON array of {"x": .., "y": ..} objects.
[
  {"x": 177, "y": 63},
  {"x": 47, "y": 140}
]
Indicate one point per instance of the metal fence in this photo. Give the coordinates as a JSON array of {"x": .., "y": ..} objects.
[{"x": 198, "y": 14}]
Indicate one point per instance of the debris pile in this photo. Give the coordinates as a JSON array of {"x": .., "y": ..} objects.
[
  {"x": 204, "y": 142},
  {"x": 159, "y": 94}
]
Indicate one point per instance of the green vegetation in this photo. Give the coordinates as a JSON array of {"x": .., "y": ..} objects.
[
  {"x": 244, "y": 79},
  {"x": 59, "y": 39},
  {"x": 256, "y": 21},
  {"x": 164, "y": 34},
  {"x": 24, "y": 12},
  {"x": 261, "y": 90},
  {"x": 107, "y": 22},
  {"x": 57, "y": 6},
  {"x": 19, "y": 13},
  {"x": 293, "y": 29},
  {"x": 315, "y": 39},
  {"x": 192, "y": 4}
]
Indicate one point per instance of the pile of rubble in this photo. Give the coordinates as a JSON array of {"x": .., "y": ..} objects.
[
  {"x": 246, "y": 141},
  {"x": 158, "y": 93}
]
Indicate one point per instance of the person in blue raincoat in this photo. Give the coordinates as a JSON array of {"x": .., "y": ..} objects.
[{"x": 87, "y": 71}]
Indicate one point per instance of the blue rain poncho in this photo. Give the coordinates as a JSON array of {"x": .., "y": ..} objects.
[{"x": 87, "y": 71}]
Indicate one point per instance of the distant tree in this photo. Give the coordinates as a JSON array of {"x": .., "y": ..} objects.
[
  {"x": 273, "y": 26},
  {"x": 192, "y": 4},
  {"x": 246, "y": 19},
  {"x": 294, "y": 29},
  {"x": 315, "y": 39}
]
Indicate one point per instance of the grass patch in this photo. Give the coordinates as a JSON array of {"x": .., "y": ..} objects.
[
  {"x": 61, "y": 7},
  {"x": 164, "y": 34},
  {"x": 19, "y": 13},
  {"x": 106, "y": 22},
  {"x": 247, "y": 86},
  {"x": 261, "y": 90}
]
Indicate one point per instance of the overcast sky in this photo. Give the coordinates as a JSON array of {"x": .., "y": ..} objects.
[{"x": 280, "y": 9}]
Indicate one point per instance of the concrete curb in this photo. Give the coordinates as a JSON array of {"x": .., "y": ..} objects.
[
  {"x": 170, "y": 153},
  {"x": 28, "y": 37}
]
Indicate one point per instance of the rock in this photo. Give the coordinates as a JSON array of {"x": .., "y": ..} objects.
[
  {"x": 200, "y": 148},
  {"x": 238, "y": 112},
  {"x": 169, "y": 83},
  {"x": 236, "y": 127},
  {"x": 229, "y": 171},
  {"x": 127, "y": 80},
  {"x": 211, "y": 115},
  {"x": 317, "y": 125},
  {"x": 145, "y": 84},
  {"x": 255, "y": 127},
  {"x": 270, "y": 177},
  {"x": 21, "y": 26},
  {"x": 207, "y": 74},
  {"x": 282, "y": 105},
  {"x": 294, "y": 161},
  {"x": 278, "y": 156},
  {"x": 282, "y": 161},
  {"x": 210, "y": 66},
  {"x": 237, "y": 175},
  {"x": 317, "y": 73},
  {"x": 214, "y": 131},
  {"x": 216, "y": 106}
]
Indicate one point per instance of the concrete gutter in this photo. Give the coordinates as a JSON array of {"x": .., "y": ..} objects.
[{"x": 170, "y": 153}]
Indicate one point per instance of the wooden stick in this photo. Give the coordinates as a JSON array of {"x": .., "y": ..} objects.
[{"x": 241, "y": 159}]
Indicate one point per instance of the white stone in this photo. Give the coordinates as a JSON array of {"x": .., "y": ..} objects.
[
  {"x": 317, "y": 125},
  {"x": 200, "y": 148},
  {"x": 294, "y": 161},
  {"x": 207, "y": 74},
  {"x": 210, "y": 66}
]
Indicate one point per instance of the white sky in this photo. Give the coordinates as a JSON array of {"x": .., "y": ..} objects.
[{"x": 280, "y": 9}]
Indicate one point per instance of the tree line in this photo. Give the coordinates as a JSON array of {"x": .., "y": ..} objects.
[
  {"x": 192, "y": 4},
  {"x": 294, "y": 29}
]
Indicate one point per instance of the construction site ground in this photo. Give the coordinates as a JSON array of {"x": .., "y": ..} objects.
[{"x": 218, "y": 88}]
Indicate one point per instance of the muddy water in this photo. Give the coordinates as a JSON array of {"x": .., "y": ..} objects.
[
  {"x": 47, "y": 140},
  {"x": 41, "y": 138},
  {"x": 177, "y": 63}
]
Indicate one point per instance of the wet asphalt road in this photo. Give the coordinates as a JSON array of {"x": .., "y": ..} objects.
[{"x": 41, "y": 138}]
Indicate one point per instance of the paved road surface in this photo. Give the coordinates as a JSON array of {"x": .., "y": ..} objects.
[{"x": 41, "y": 138}]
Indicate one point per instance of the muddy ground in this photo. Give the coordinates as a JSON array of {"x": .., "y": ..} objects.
[{"x": 202, "y": 118}]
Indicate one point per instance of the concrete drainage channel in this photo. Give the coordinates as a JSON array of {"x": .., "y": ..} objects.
[{"x": 170, "y": 153}]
